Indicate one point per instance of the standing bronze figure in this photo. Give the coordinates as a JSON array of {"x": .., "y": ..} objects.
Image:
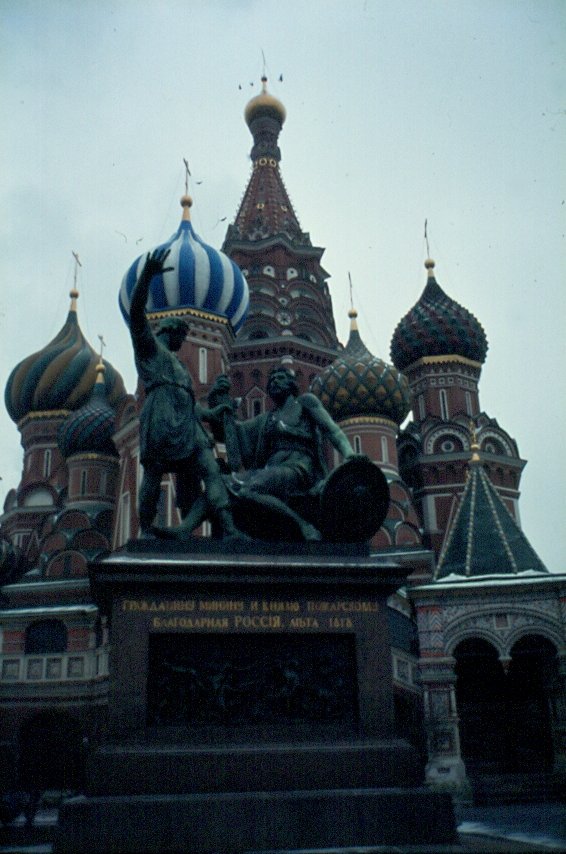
[{"x": 172, "y": 438}]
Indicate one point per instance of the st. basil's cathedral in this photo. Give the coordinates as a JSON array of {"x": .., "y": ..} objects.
[{"x": 478, "y": 635}]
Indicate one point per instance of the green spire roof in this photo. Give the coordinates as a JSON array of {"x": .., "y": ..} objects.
[{"x": 484, "y": 539}]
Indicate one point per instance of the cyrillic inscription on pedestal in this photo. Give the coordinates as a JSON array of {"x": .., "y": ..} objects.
[{"x": 225, "y": 615}]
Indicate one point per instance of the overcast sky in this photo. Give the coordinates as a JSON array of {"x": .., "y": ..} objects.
[{"x": 398, "y": 111}]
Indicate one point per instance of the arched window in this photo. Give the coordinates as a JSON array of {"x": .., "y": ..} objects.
[
  {"x": 139, "y": 469},
  {"x": 124, "y": 518},
  {"x": 45, "y": 636},
  {"x": 255, "y": 405},
  {"x": 38, "y": 498},
  {"x": 83, "y": 482},
  {"x": 422, "y": 411},
  {"x": 469, "y": 410},
  {"x": 203, "y": 364},
  {"x": 443, "y": 405},
  {"x": 384, "y": 450},
  {"x": 47, "y": 462},
  {"x": 98, "y": 633},
  {"x": 357, "y": 445}
]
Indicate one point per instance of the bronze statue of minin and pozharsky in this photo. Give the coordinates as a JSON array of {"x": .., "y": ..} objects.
[{"x": 275, "y": 485}]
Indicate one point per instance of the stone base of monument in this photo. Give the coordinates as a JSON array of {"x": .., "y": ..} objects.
[
  {"x": 261, "y": 821},
  {"x": 250, "y": 708}
]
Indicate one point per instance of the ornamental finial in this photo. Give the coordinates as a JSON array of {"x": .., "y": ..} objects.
[
  {"x": 352, "y": 313},
  {"x": 474, "y": 444},
  {"x": 73, "y": 293},
  {"x": 100, "y": 367},
  {"x": 186, "y": 200},
  {"x": 429, "y": 264},
  {"x": 186, "y": 203}
]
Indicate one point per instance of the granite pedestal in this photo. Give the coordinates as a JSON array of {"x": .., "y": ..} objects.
[{"x": 250, "y": 706}]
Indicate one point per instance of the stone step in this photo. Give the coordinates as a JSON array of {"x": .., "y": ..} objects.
[
  {"x": 16, "y": 836},
  {"x": 258, "y": 821},
  {"x": 144, "y": 769}
]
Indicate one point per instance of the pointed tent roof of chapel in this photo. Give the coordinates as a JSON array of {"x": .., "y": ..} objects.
[{"x": 484, "y": 538}]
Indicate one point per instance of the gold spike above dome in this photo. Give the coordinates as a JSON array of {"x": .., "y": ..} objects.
[
  {"x": 186, "y": 204},
  {"x": 429, "y": 264},
  {"x": 100, "y": 371},
  {"x": 74, "y": 295},
  {"x": 264, "y": 104},
  {"x": 474, "y": 444},
  {"x": 353, "y": 314}
]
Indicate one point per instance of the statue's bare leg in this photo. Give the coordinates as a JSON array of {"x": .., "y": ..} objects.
[{"x": 148, "y": 498}]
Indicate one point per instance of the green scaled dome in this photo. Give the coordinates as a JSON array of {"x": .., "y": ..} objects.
[
  {"x": 359, "y": 384},
  {"x": 437, "y": 326}
]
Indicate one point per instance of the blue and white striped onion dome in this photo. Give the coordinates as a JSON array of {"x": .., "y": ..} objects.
[{"x": 202, "y": 278}]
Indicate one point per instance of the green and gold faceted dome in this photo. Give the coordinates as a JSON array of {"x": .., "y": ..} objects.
[{"x": 358, "y": 384}]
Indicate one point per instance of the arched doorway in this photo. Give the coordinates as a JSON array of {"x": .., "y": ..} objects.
[
  {"x": 505, "y": 718},
  {"x": 51, "y": 753},
  {"x": 532, "y": 673},
  {"x": 481, "y": 702}
]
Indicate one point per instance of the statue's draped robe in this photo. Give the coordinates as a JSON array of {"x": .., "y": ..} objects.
[
  {"x": 169, "y": 428},
  {"x": 268, "y": 441}
]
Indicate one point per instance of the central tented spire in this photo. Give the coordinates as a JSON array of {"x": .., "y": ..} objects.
[
  {"x": 266, "y": 209},
  {"x": 289, "y": 296}
]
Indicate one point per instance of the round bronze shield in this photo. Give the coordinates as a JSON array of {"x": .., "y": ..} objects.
[{"x": 354, "y": 501}]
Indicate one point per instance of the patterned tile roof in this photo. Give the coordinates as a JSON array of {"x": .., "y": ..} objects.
[{"x": 483, "y": 538}]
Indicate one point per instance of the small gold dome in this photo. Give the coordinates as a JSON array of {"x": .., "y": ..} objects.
[{"x": 266, "y": 104}]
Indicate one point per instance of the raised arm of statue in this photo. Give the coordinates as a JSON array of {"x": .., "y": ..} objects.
[{"x": 142, "y": 337}]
